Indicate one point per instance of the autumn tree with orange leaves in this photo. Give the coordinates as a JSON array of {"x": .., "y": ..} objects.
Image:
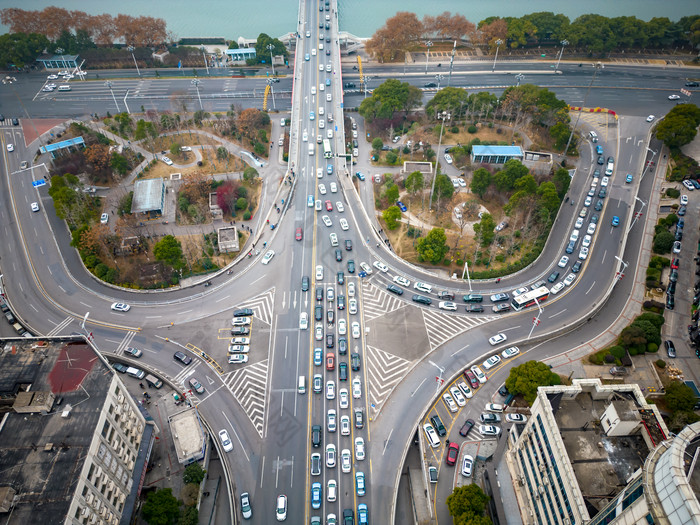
[{"x": 400, "y": 33}]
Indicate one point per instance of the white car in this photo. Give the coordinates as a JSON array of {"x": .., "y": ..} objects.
[
  {"x": 334, "y": 187},
  {"x": 52, "y": 77},
  {"x": 322, "y": 189},
  {"x": 344, "y": 425},
  {"x": 305, "y": 136},
  {"x": 352, "y": 306},
  {"x": 334, "y": 239},
  {"x": 356, "y": 388},
  {"x": 684, "y": 198},
  {"x": 586, "y": 241},
  {"x": 650, "y": 118},
  {"x": 516, "y": 418},
  {"x": 330, "y": 390},
  {"x": 240, "y": 321},
  {"x": 237, "y": 359},
  {"x": 330, "y": 455},
  {"x": 451, "y": 405},
  {"x": 342, "y": 327},
  {"x": 570, "y": 279},
  {"x": 448, "y": 158},
  {"x": 579, "y": 222},
  {"x": 355, "y": 330},
  {"x": 329, "y": 134},
  {"x": 491, "y": 362},
  {"x": 431, "y": 435},
  {"x": 318, "y": 332},
  {"x": 494, "y": 407},
  {"x": 268, "y": 256},
  {"x": 225, "y": 440},
  {"x": 557, "y": 288},
  {"x": 339, "y": 206},
  {"x": 588, "y": 201},
  {"x": 574, "y": 236},
  {"x": 583, "y": 253},
  {"x": 319, "y": 273},
  {"x": 313, "y": 88},
  {"x": 519, "y": 291},
  {"x": 563, "y": 262},
  {"x": 467, "y": 465},
  {"x": 380, "y": 266},
  {"x": 303, "y": 321},
  {"x": 331, "y": 420},
  {"x": 351, "y": 289},
  {"x": 447, "y": 305},
  {"x": 120, "y": 307},
  {"x": 345, "y": 461},
  {"x": 489, "y": 430},
  {"x": 35, "y": 206},
  {"x": 591, "y": 228},
  {"x": 331, "y": 490},
  {"x": 402, "y": 281},
  {"x": 604, "y": 181},
  {"x": 479, "y": 374},
  {"x": 104, "y": 218},
  {"x": 240, "y": 341},
  {"x": 497, "y": 339},
  {"x": 674, "y": 97},
  {"x": 10, "y": 147},
  {"x": 327, "y": 221},
  {"x": 458, "y": 397},
  {"x": 465, "y": 389},
  {"x": 343, "y": 398},
  {"x": 688, "y": 185},
  {"x": 462, "y": 183},
  {"x": 320, "y": 67},
  {"x": 319, "y": 173},
  {"x": 166, "y": 160},
  {"x": 365, "y": 268},
  {"x": 510, "y": 352},
  {"x": 359, "y": 449},
  {"x": 344, "y": 224}
]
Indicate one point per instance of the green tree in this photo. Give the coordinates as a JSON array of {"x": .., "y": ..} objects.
[
  {"x": 450, "y": 99},
  {"x": 388, "y": 98},
  {"x": 512, "y": 171},
  {"x": 561, "y": 181},
  {"x": 175, "y": 149},
  {"x": 633, "y": 336},
  {"x": 548, "y": 197},
  {"x": 161, "y": 508},
  {"x": 679, "y": 397},
  {"x": 663, "y": 242},
  {"x": 481, "y": 180},
  {"x": 524, "y": 379},
  {"x": 250, "y": 174},
  {"x": 391, "y": 216},
  {"x": 262, "y": 53},
  {"x": 119, "y": 163},
  {"x": 414, "y": 182},
  {"x": 377, "y": 144},
  {"x": 241, "y": 203},
  {"x": 484, "y": 229},
  {"x": 443, "y": 186},
  {"x": 433, "y": 246},
  {"x": 190, "y": 516},
  {"x": 467, "y": 503},
  {"x": 391, "y": 192},
  {"x": 194, "y": 473},
  {"x": 679, "y": 126},
  {"x": 20, "y": 49},
  {"x": 391, "y": 157},
  {"x": 169, "y": 250},
  {"x": 221, "y": 153},
  {"x": 550, "y": 27}
]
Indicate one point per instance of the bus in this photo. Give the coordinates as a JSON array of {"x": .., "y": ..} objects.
[
  {"x": 327, "y": 153},
  {"x": 530, "y": 298}
]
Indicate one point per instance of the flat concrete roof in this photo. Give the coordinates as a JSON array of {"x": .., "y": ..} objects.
[{"x": 188, "y": 435}]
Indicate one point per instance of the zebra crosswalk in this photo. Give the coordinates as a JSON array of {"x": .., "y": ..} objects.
[
  {"x": 384, "y": 371},
  {"x": 248, "y": 385},
  {"x": 376, "y": 302},
  {"x": 60, "y": 326},
  {"x": 442, "y": 327},
  {"x": 125, "y": 343},
  {"x": 261, "y": 305}
]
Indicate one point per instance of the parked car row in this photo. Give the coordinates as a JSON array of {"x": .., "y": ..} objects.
[{"x": 239, "y": 344}]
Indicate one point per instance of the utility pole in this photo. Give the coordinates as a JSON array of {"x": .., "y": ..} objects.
[
  {"x": 109, "y": 85},
  {"x": 443, "y": 117},
  {"x": 452, "y": 58},
  {"x": 499, "y": 42},
  {"x": 428, "y": 44}
]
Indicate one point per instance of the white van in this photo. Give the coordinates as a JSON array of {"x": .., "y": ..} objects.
[
  {"x": 136, "y": 372},
  {"x": 431, "y": 436},
  {"x": 302, "y": 385},
  {"x": 423, "y": 287},
  {"x": 64, "y": 87},
  {"x": 154, "y": 381},
  {"x": 311, "y": 149}
]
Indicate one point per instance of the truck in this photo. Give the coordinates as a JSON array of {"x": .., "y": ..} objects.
[{"x": 694, "y": 388}]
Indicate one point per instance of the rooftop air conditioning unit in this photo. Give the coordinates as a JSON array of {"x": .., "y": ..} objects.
[{"x": 120, "y": 398}]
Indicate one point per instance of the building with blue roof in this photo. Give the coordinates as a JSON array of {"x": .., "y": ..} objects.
[{"x": 495, "y": 154}]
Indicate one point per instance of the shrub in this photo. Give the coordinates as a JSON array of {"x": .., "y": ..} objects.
[
  {"x": 609, "y": 358},
  {"x": 652, "y": 348},
  {"x": 617, "y": 351},
  {"x": 472, "y": 129},
  {"x": 246, "y": 216},
  {"x": 454, "y": 129},
  {"x": 673, "y": 193},
  {"x": 661, "y": 363}
]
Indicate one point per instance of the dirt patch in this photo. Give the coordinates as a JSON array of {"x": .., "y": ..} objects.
[{"x": 210, "y": 165}]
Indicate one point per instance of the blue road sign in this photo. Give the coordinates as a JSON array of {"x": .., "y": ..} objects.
[{"x": 37, "y": 183}]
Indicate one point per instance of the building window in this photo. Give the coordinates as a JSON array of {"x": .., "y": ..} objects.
[
  {"x": 105, "y": 429},
  {"x": 91, "y": 472}
]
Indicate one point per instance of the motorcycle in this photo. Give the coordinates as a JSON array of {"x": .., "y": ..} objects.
[
  {"x": 229, "y": 272},
  {"x": 208, "y": 283}
]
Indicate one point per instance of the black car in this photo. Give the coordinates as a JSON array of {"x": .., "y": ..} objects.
[
  {"x": 438, "y": 426},
  {"x": 670, "y": 301},
  {"x": 15, "y": 122},
  {"x": 316, "y": 435},
  {"x": 500, "y": 308},
  {"x": 570, "y": 247},
  {"x": 305, "y": 283},
  {"x": 120, "y": 367},
  {"x": 422, "y": 299},
  {"x": 348, "y": 245},
  {"x": 430, "y": 85},
  {"x": 503, "y": 390},
  {"x": 184, "y": 359},
  {"x": 348, "y": 517},
  {"x": 671, "y": 288},
  {"x": 340, "y": 277},
  {"x": 328, "y": 26},
  {"x": 553, "y": 277},
  {"x": 330, "y": 316},
  {"x": 240, "y": 330},
  {"x": 673, "y": 277},
  {"x": 577, "y": 266},
  {"x": 681, "y": 211},
  {"x": 341, "y": 301},
  {"x": 342, "y": 346},
  {"x": 474, "y": 308},
  {"x": 338, "y": 255},
  {"x": 602, "y": 193},
  {"x": 349, "y": 85},
  {"x": 601, "y": 160},
  {"x": 394, "y": 289},
  {"x": 318, "y": 312},
  {"x": 343, "y": 371},
  {"x": 594, "y": 219},
  {"x": 319, "y": 293},
  {"x": 692, "y": 83},
  {"x": 446, "y": 296},
  {"x": 243, "y": 312},
  {"x": 468, "y": 424},
  {"x": 670, "y": 348},
  {"x": 351, "y": 266},
  {"x": 330, "y": 341},
  {"x": 598, "y": 205},
  {"x": 355, "y": 361}
]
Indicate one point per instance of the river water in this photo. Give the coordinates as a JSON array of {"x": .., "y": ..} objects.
[{"x": 232, "y": 19}]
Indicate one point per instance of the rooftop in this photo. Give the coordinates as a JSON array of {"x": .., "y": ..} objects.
[
  {"x": 148, "y": 195},
  {"x": 496, "y": 150},
  {"x": 41, "y": 451}
]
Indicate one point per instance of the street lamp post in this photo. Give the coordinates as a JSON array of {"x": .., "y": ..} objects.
[
  {"x": 519, "y": 77},
  {"x": 131, "y": 49},
  {"x": 621, "y": 273},
  {"x": 108, "y": 84},
  {"x": 466, "y": 271},
  {"x": 563, "y": 43},
  {"x": 499, "y": 43},
  {"x": 452, "y": 59},
  {"x": 443, "y": 117},
  {"x": 272, "y": 90},
  {"x": 439, "y": 77},
  {"x": 653, "y": 154},
  {"x": 365, "y": 81},
  {"x": 639, "y": 213},
  {"x": 125, "y": 104},
  {"x": 196, "y": 82},
  {"x": 271, "y": 47},
  {"x": 535, "y": 320},
  {"x": 428, "y": 44},
  {"x": 204, "y": 56}
]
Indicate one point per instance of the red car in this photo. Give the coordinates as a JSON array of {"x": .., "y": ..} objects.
[
  {"x": 674, "y": 263},
  {"x": 329, "y": 206},
  {"x": 473, "y": 381},
  {"x": 452, "y": 454},
  {"x": 300, "y": 234},
  {"x": 330, "y": 361}
]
